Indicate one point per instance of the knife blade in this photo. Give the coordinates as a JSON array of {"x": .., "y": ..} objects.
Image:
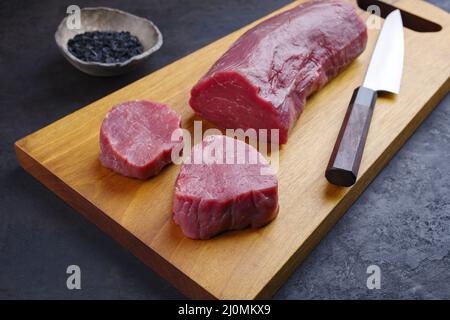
[
  {"x": 384, "y": 74},
  {"x": 386, "y": 66}
]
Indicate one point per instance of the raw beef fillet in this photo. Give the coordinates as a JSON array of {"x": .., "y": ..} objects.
[
  {"x": 263, "y": 80},
  {"x": 234, "y": 189},
  {"x": 135, "y": 138}
]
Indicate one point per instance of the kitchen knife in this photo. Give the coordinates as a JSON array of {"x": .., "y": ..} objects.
[{"x": 383, "y": 75}]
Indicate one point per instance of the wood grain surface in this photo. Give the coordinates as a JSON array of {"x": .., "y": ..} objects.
[{"x": 247, "y": 264}]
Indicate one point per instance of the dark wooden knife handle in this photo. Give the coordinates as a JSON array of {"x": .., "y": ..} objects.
[{"x": 346, "y": 157}]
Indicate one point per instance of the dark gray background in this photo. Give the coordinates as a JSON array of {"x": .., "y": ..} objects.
[{"x": 401, "y": 223}]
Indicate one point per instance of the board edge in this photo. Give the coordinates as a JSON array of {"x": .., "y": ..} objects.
[
  {"x": 347, "y": 201},
  {"x": 180, "y": 281}
]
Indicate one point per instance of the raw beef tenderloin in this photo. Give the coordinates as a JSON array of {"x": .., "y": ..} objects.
[
  {"x": 233, "y": 190},
  {"x": 263, "y": 80},
  {"x": 135, "y": 138}
]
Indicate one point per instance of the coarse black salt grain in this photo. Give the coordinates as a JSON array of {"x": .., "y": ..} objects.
[{"x": 105, "y": 47}]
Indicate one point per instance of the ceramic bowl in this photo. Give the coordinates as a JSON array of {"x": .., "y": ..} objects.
[{"x": 107, "y": 19}]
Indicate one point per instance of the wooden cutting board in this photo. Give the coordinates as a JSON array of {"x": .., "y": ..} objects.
[{"x": 247, "y": 264}]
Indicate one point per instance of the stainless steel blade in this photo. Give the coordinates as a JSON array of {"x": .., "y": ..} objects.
[{"x": 386, "y": 66}]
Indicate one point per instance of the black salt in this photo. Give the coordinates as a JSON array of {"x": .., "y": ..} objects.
[{"x": 105, "y": 47}]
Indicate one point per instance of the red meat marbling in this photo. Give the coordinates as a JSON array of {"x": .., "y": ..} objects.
[
  {"x": 228, "y": 192},
  {"x": 135, "y": 138},
  {"x": 263, "y": 80}
]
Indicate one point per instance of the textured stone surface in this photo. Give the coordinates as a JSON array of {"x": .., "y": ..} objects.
[{"x": 401, "y": 223}]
